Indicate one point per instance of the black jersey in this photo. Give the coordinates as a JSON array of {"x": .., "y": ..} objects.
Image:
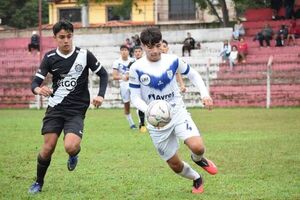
[{"x": 70, "y": 78}]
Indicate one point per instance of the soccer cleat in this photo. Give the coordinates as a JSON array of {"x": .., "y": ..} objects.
[
  {"x": 133, "y": 127},
  {"x": 143, "y": 129},
  {"x": 35, "y": 188},
  {"x": 207, "y": 165},
  {"x": 72, "y": 162},
  {"x": 198, "y": 186}
]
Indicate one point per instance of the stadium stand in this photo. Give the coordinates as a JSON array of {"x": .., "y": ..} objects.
[{"x": 244, "y": 86}]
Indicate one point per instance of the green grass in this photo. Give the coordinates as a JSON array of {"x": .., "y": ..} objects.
[{"x": 256, "y": 151}]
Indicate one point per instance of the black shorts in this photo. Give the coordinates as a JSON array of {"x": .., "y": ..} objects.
[{"x": 55, "y": 121}]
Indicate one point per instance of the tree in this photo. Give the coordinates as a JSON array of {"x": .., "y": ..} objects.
[
  {"x": 240, "y": 6},
  {"x": 22, "y": 13},
  {"x": 204, "y": 4}
]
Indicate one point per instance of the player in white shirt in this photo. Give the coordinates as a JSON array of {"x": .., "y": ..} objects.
[
  {"x": 120, "y": 72},
  {"x": 153, "y": 77},
  {"x": 138, "y": 53}
]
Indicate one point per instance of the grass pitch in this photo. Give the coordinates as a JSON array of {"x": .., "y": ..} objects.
[{"x": 256, "y": 151}]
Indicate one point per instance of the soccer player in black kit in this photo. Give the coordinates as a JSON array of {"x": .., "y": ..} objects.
[{"x": 68, "y": 100}]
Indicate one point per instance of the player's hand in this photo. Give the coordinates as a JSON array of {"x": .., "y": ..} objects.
[
  {"x": 44, "y": 91},
  {"x": 183, "y": 89},
  {"x": 125, "y": 77},
  {"x": 207, "y": 102},
  {"x": 97, "y": 101}
]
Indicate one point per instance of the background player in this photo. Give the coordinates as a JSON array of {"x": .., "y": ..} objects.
[
  {"x": 68, "y": 100},
  {"x": 120, "y": 73},
  {"x": 138, "y": 53},
  {"x": 152, "y": 77}
]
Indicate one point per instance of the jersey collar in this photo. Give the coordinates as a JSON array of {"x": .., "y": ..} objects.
[{"x": 65, "y": 56}]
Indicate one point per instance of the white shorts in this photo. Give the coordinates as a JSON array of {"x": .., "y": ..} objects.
[
  {"x": 166, "y": 141},
  {"x": 124, "y": 91}
]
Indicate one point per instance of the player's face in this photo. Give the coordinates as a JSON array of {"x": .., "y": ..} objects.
[
  {"x": 153, "y": 53},
  {"x": 124, "y": 53},
  {"x": 164, "y": 48},
  {"x": 64, "y": 41},
  {"x": 138, "y": 53}
]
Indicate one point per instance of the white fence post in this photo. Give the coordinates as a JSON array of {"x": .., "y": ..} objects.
[
  {"x": 269, "y": 72},
  {"x": 207, "y": 74}
]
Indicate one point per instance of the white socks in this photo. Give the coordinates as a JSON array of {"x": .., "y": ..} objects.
[
  {"x": 129, "y": 119},
  {"x": 188, "y": 172},
  {"x": 196, "y": 157}
]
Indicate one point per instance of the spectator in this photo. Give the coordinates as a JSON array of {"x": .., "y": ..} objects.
[
  {"x": 289, "y": 8},
  {"x": 243, "y": 50},
  {"x": 233, "y": 57},
  {"x": 188, "y": 44},
  {"x": 276, "y": 5},
  {"x": 136, "y": 40},
  {"x": 225, "y": 52},
  {"x": 130, "y": 46},
  {"x": 165, "y": 46},
  {"x": 265, "y": 34},
  {"x": 238, "y": 30},
  {"x": 281, "y": 36},
  {"x": 292, "y": 32},
  {"x": 34, "y": 42}
]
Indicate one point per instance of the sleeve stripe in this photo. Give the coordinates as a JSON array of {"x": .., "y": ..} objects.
[
  {"x": 134, "y": 85},
  {"x": 98, "y": 69},
  {"x": 187, "y": 70},
  {"x": 40, "y": 76}
]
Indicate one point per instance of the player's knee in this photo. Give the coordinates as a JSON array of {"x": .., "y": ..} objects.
[
  {"x": 47, "y": 150},
  {"x": 198, "y": 149},
  {"x": 71, "y": 148}
]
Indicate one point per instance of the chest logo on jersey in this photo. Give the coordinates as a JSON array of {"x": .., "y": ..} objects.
[
  {"x": 145, "y": 79},
  {"x": 78, "y": 68},
  {"x": 68, "y": 83},
  {"x": 170, "y": 74}
]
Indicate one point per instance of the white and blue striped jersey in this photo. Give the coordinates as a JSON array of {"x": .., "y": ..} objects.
[{"x": 150, "y": 81}]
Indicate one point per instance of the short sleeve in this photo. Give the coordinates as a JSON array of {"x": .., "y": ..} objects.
[
  {"x": 183, "y": 67},
  {"x": 133, "y": 78},
  {"x": 92, "y": 62},
  {"x": 44, "y": 68}
]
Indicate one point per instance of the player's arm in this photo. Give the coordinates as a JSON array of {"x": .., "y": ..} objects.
[
  {"x": 135, "y": 92},
  {"x": 197, "y": 81},
  {"x": 179, "y": 79},
  {"x": 38, "y": 79},
  {"x": 98, "y": 69},
  {"x": 116, "y": 74}
]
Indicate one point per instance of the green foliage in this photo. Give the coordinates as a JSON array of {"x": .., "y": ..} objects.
[
  {"x": 22, "y": 14},
  {"x": 242, "y": 5},
  {"x": 256, "y": 151},
  {"x": 124, "y": 9}
]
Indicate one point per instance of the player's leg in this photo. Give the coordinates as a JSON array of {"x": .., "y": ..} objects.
[
  {"x": 184, "y": 169},
  {"x": 195, "y": 144},
  {"x": 167, "y": 149},
  {"x": 52, "y": 126},
  {"x": 43, "y": 161},
  {"x": 125, "y": 94},
  {"x": 142, "y": 126},
  {"x": 73, "y": 131},
  {"x": 128, "y": 115},
  {"x": 187, "y": 131}
]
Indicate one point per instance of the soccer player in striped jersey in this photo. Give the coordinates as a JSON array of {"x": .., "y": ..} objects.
[
  {"x": 68, "y": 100},
  {"x": 153, "y": 77}
]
